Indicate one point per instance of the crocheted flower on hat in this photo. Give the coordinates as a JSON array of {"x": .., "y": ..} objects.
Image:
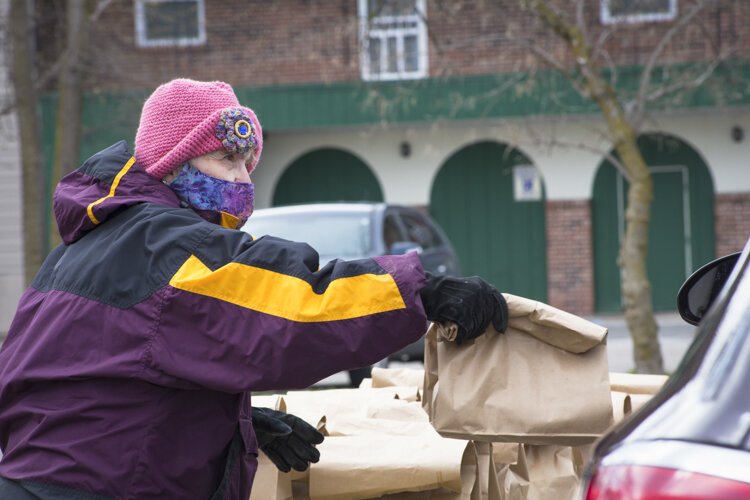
[{"x": 235, "y": 131}]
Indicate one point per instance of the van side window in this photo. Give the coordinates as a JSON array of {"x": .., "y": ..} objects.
[
  {"x": 391, "y": 231},
  {"x": 418, "y": 231}
]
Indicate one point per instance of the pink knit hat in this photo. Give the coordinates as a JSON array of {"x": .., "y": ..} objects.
[{"x": 184, "y": 119}]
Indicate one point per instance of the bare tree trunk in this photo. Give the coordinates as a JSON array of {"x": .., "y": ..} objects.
[
  {"x": 69, "y": 105},
  {"x": 635, "y": 285},
  {"x": 634, "y": 281},
  {"x": 29, "y": 118}
]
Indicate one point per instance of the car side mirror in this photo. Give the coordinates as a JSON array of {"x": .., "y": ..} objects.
[
  {"x": 703, "y": 286},
  {"x": 402, "y": 247}
]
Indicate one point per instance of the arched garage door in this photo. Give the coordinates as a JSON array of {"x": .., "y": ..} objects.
[
  {"x": 496, "y": 237},
  {"x": 681, "y": 231},
  {"x": 327, "y": 175}
]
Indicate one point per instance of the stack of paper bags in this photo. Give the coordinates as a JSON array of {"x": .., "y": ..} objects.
[
  {"x": 506, "y": 416},
  {"x": 378, "y": 443}
]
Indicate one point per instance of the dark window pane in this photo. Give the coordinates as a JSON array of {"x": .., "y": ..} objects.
[
  {"x": 391, "y": 231},
  {"x": 375, "y": 55},
  {"x": 392, "y": 7},
  {"x": 392, "y": 55},
  {"x": 419, "y": 232},
  {"x": 634, "y": 7},
  {"x": 411, "y": 54},
  {"x": 170, "y": 20}
]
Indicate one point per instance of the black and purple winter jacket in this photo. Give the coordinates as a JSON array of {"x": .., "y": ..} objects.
[{"x": 127, "y": 370}]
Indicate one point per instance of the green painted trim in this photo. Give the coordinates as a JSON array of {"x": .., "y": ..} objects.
[
  {"x": 343, "y": 104},
  {"x": 506, "y": 95}
]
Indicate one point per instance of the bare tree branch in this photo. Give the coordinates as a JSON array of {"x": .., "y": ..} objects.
[
  {"x": 601, "y": 41},
  {"x": 612, "y": 66},
  {"x": 101, "y": 6},
  {"x": 554, "y": 63},
  {"x": 52, "y": 71},
  {"x": 533, "y": 137},
  {"x": 656, "y": 53}
]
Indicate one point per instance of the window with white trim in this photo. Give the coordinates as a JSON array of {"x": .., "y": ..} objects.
[
  {"x": 170, "y": 23},
  {"x": 637, "y": 11},
  {"x": 393, "y": 36}
]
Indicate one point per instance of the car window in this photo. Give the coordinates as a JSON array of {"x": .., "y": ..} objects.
[
  {"x": 420, "y": 231},
  {"x": 333, "y": 235},
  {"x": 391, "y": 230}
]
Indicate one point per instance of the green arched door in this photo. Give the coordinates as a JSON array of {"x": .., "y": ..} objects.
[
  {"x": 496, "y": 237},
  {"x": 327, "y": 175},
  {"x": 681, "y": 230}
]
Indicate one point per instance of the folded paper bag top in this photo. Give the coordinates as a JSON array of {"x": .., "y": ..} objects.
[
  {"x": 553, "y": 326},
  {"x": 545, "y": 381},
  {"x": 546, "y": 323}
]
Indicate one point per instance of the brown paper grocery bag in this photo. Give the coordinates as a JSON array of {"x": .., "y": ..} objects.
[
  {"x": 272, "y": 401},
  {"x": 478, "y": 475},
  {"x": 403, "y": 377},
  {"x": 373, "y": 465},
  {"x": 358, "y": 426},
  {"x": 621, "y": 405},
  {"x": 505, "y": 453},
  {"x": 468, "y": 483},
  {"x": 638, "y": 400},
  {"x": 397, "y": 409},
  {"x": 542, "y": 472},
  {"x": 339, "y": 401},
  {"x": 270, "y": 483},
  {"x": 545, "y": 381},
  {"x": 636, "y": 383}
]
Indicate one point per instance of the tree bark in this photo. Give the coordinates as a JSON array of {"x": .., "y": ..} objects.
[
  {"x": 635, "y": 285},
  {"x": 29, "y": 133},
  {"x": 69, "y": 104}
]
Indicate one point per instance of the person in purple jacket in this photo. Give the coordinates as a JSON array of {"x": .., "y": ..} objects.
[{"x": 127, "y": 370}]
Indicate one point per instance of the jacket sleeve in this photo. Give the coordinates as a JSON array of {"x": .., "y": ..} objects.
[{"x": 250, "y": 315}]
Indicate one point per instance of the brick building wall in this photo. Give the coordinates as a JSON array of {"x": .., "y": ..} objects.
[
  {"x": 257, "y": 43},
  {"x": 247, "y": 43},
  {"x": 732, "y": 222},
  {"x": 570, "y": 259}
]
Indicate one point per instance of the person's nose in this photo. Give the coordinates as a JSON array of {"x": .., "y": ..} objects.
[{"x": 240, "y": 171}]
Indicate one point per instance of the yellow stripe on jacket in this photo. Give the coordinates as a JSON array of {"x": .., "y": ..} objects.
[
  {"x": 289, "y": 297},
  {"x": 115, "y": 183}
]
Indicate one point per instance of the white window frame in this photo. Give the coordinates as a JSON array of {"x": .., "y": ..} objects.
[
  {"x": 142, "y": 40},
  {"x": 608, "y": 18},
  {"x": 365, "y": 32}
]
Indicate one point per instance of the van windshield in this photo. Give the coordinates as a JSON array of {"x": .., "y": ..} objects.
[{"x": 332, "y": 235}]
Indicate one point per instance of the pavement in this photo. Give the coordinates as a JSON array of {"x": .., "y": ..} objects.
[{"x": 675, "y": 337}]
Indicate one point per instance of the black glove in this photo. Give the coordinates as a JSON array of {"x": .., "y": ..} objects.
[
  {"x": 471, "y": 303},
  {"x": 287, "y": 440}
]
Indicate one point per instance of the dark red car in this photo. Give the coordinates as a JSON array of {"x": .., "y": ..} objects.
[{"x": 692, "y": 440}]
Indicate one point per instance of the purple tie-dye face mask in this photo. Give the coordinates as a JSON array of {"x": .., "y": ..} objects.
[{"x": 209, "y": 194}]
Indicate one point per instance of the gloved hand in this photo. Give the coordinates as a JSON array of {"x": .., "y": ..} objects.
[
  {"x": 287, "y": 440},
  {"x": 471, "y": 303}
]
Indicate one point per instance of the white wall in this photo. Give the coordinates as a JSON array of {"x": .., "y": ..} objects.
[
  {"x": 11, "y": 246},
  {"x": 568, "y": 167}
]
